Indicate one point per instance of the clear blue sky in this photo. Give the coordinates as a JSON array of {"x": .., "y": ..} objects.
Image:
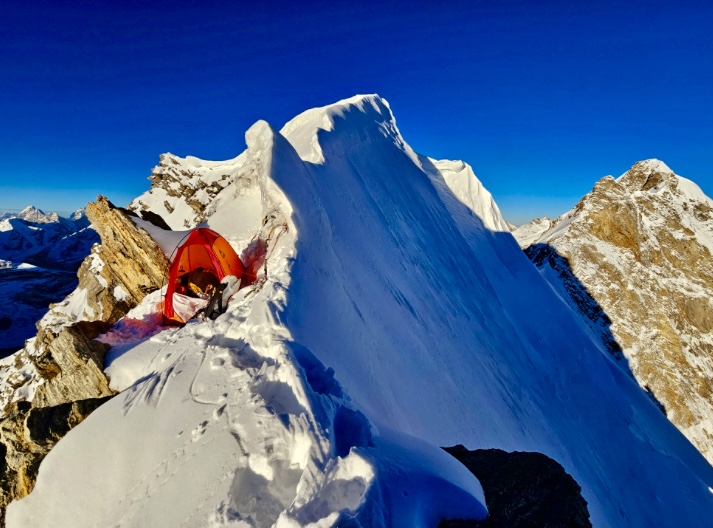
[{"x": 541, "y": 98}]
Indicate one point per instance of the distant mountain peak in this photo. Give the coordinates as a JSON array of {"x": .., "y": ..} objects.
[
  {"x": 634, "y": 257},
  {"x": 652, "y": 165},
  {"x": 78, "y": 214},
  {"x": 33, "y": 214},
  {"x": 31, "y": 210}
]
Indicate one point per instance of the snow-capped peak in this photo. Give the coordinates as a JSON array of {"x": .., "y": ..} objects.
[
  {"x": 78, "y": 215},
  {"x": 33, "y": 214},
  {"x": 652, "y": 165},
  {"x": 640, "y": 246},
  {"x": 653, "y": 175},
  {"x": 464, "y": 185},
  {"x": 367, "y": 113},
  {"x": 367, "y": 120},
  {"x": 31, "y": 210},
  {"x": 647, "y": 175}
]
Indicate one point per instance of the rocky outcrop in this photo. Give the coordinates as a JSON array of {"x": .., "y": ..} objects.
[
  {"x": 28, "y": 437},
  {"x": 112, "y": 280},
  {"x": 182, "y": 189},
  {"x": 58, "y": 378},
  {"x": 184, "y": 182},
  {"x": 72, "y": 364},
  {"x": 133, "y": 260},
  {"x": 635, "y": 258},
  {"x": 522, "y": 490}
]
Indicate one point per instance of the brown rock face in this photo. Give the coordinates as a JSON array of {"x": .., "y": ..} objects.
[
  {"x": 179, "y": 181},
  {"x": 617, "y": 225},
  {"x": 641, "y": 248},
  {"x": 60, "y": 373},
  {"x": 72, "y": 364},
  {"x": 28, "y": 437},
  {"x": 133, "y": 259}
]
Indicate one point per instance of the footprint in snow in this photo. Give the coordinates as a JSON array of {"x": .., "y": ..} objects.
[
  {"x": 217, "y": 362},
  {"x": 199, "y": 431}
]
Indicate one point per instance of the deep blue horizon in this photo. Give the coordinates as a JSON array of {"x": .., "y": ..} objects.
[{"x": 541, "y": 100}]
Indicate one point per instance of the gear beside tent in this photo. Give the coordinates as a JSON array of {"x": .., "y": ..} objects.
[{"x": 201, "y": 262}]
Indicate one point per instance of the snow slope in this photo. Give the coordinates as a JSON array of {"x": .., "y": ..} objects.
[{"x": 397, "y": 315}]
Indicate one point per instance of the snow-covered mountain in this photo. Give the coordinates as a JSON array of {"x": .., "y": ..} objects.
[
  {"x": 395, "y": 314},
  {"x": 32, "y": 214},
  {"x": 46, "y": 240},
  {"x": 39, "y": 257},
  {"x": 642, "y": 246}
]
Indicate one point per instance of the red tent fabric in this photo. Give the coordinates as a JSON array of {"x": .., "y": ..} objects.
[{"x": 203, "y": 248}]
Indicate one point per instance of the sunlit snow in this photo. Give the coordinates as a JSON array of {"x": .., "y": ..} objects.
[{"x": 398, "y": 315}]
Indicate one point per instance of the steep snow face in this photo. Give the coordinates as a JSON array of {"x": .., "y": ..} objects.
[
  {"x": 393, "y": 318},
  {"x": 467, "y": 188},
  {"x": 642, "y": 246},
  {"x": 275, "y": 438}
]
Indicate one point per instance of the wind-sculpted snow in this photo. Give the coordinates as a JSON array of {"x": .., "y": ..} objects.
[
  {"x": 253, "y": 430},
  {"x": 397, "y": 315}
]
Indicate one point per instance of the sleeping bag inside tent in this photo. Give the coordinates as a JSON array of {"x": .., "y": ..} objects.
[{"x": 202, "y": 260}]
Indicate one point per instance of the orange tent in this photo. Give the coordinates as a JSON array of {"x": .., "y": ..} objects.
[{"x": 203, "y": 248}]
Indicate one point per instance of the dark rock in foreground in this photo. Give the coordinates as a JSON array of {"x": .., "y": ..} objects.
[{"x": 522, "y": 490}]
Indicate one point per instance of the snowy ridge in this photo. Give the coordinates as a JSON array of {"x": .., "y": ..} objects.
[
  {"x": 462, "y": 182},
  {"x": 295, "y": 427},
  {"x": 304, "y": 130},
  {"x": 392, "y": 320},
  {"x": 527, "y": 234}
]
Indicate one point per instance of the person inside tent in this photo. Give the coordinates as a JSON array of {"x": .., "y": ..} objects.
[
  {"x": 200, "y": 291},
  {"x": 203, "y": 266},
  {"x": 198, "y": 283}
]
